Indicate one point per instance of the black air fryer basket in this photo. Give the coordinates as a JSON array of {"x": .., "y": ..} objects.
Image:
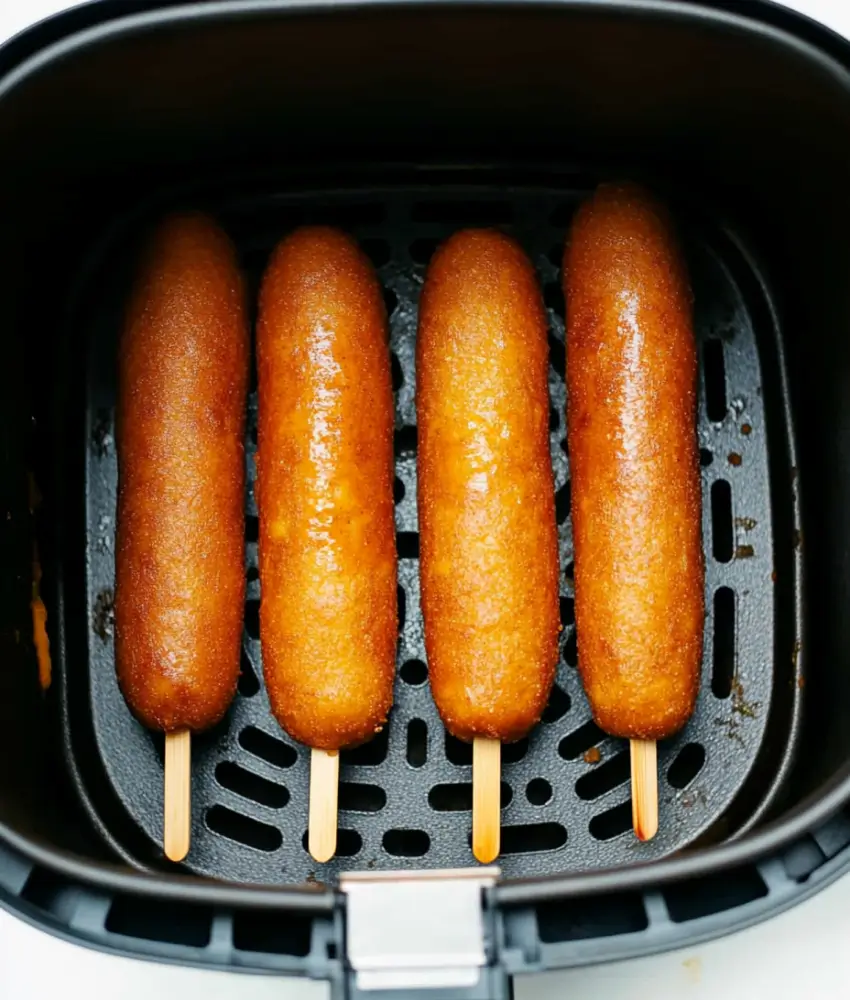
[{"x": 402, "y": 122}]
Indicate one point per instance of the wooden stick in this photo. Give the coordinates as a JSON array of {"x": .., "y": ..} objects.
[
  {"x": 644, "y": 788},
  {"x": 486, "y": 798},
  {"x": 324, "y": 793},
  {"x": 178, "y": 794}
]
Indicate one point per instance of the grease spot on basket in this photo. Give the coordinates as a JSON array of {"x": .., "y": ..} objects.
[{"x": 103, "y": 619}]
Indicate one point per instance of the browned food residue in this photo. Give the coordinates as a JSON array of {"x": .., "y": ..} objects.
[
  {"x": 732, "y": 727},
  {"x": 592, "y": 756},
  {"x": 42, "y": 642},
  {"x": 39, "y": 611},
  {"x": 773, "y": 576},
  {"x": 744, "y": 552},
  {"x": 740, "y": 706},
  {"x": 746, "y": 429},
  {"x": 795, "y": 653},
  {"x": 798, "y": 539},
  {"x": 735, "y": 459},
  {"x": 747, "y": 523}
]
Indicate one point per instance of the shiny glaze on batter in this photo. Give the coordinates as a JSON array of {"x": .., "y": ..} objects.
[
  {"x": 488, "y": 535},
  {"x": 180, "y": 576},
  {"x": 328, "y": 620},
  {"x": 631, "y": 416}
]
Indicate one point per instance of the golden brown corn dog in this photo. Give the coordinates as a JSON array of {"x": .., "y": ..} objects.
[
  {"x": 631, "y": 412},
  {"x": 180, "y": 568},
  {"x": 325, "y": 492},
  {"x": 488, "y": 536}
]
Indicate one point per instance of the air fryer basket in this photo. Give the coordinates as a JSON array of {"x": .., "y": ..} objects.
[
  {"x": 406, "y": 798},
  {"x": 402, "y": 122}
]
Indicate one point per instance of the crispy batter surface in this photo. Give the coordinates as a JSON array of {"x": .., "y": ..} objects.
[
  {"x": 180, "y": 576},
  {"x": 488, "y": 537},
  {"x": 328, "y": 618},
  {"x": 631, "y": 389}
]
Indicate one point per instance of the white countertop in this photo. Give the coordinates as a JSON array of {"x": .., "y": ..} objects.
[{"x": 803, "y": 952}]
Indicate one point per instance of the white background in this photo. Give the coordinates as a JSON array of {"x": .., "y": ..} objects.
[{"x": 805, "y": 952}]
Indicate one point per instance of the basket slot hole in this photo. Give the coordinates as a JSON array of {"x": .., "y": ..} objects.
[
  {"x": 538, "y": 791},
  {"x": 687, "y": 765},
  {"x": 554, "y": 419},
  {"x": 568, "y": 611},
  {"x": 370, "y": 754},
  {"x": 569, "y": 570},
  {"x": 532, "y": 838},
  {"x": 458, "y": 752},
  {"x": 252, "y": 528},
  {"x": 697, "y": 898},
  {"x": 176, "y": 923},
  {"x": 611, "y": 823},
  {"x": 558, "y": 706},
  {"x": 556, "y": 255},
  {"x": 571, "y": 649},
  {"x": 268, "y": 748},
  {"x": 562, "y": 503},
  {"x": 355, "y": 797},
  {"x": 248, "y": 684},
  {"x": 407, "y": 843},
  {"x": 399, "y": 490},
  {"x": 615, "y": 771},
  {"x": 422, "y": 250},
  {"x": 251, "y": 786},
  {"x": 253, "y": 574},
  {"x": 404, "y": 440},
  {"x": 576, "y": 743},
  {"x": 722, "y": 535},
  {"x": 401, "y": 597},
  {"x": 591, "y": 917},
  {"x": 466, "y": 212},
  {"x": 715, "y": 380},
  {"x": 252, "y": 618},
  {"x": 457, "y": 797},
  {"x": 417, "y": 742},
  {"x": 243, "y": 829},
  {"x": 723, "y": 661},
  {"x": 377, "y": 250},
  {"x": 407, "y": 544},
  {"x": 414, "y": 672},
  {"x": 272, "y": 933},
  {"x": 397, "y": 373},
  {"x": 553, "y": 296},
  {"x": 349, "y": 843},
  {"x": 514, "y": 752},
  {"x": 705, "y": 457},
  {"x": 557, "y": 355}
]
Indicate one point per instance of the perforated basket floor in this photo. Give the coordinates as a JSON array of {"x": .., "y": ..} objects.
[{"x": 405, "y": 798}]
